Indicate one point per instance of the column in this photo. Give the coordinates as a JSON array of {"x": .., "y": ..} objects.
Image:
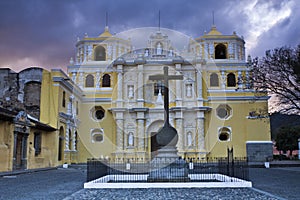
[
  {"x": 84, "y": 52},
  {"x": 98, "y": 79},
  {"x": 119, "y": 136},
  {"x": 81, "y": 80},
  {"x": 178, "y": 87},
  {"x": 223, "y": 79},
  {"x": 141, "y": 134},
  {"x": 199, "y": 85},
  {"x": 67, "y": 138},
  {"x": 235, "y": 51},
  {"x": 206, "y": 50},
  {"x": 74, "y": 141},
  {"x": 114, "y": 53},
  {"x": 240, "y": 82},
  {"x": 140, "y": 95},
  {"x": 120, "y": 85},
  {"x": 179, "y": 124},
  {"x": 200, "y": 134}
]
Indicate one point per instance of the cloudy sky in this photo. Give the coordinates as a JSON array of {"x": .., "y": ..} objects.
[{"x": 44, "y": 32}]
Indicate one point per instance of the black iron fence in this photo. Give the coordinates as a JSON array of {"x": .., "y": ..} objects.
[{"x": 233, "y": 167}]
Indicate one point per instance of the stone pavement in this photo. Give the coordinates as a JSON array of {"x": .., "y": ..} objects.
[
  {"x": 283, "y": 182},
  {"x": 170, "y": 194},
  {"x": 51, "y": 184},
  {"x": 273, "y": 183}
]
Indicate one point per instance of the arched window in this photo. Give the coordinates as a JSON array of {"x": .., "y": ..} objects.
[
  {"x": 89, "y": 81},
  {"x": 61, "y": 144},
  {"x": 100, "y": 53},
  {"x": 64, "y": 99},
  {"x": 214, "y": 80},
  {"x": 106, "y": 80},
  {"x": 231, "y": 82},
  {"x": 220, "y": 51}
]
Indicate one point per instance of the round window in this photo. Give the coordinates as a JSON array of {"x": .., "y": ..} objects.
[{"x": 224, "y": 136}]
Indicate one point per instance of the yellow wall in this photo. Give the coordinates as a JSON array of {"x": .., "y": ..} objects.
[
  {"x": 243, "y": 129},
  {"x": 48, "y": 155},
  {"x": 87, "y": 148},
  {"x": 6, "y": 145}
]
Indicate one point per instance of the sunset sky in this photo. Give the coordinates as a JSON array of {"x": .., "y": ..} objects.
[{"x": 44, "y": 32}]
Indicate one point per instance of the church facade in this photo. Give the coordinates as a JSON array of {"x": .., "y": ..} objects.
[{"x": 213, "y": 108}]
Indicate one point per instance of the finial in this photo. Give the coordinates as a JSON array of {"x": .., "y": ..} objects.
[
  {"x": 106, "y": 19},
  {"x": 213, "y": 17},
  {"x": 159, "y": 20}
]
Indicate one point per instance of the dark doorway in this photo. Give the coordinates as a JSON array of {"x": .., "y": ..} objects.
[
  {"x": 61, "y": 144},
  {"x": 19, "y": 150},
  {"x": 154, "y": 145}
]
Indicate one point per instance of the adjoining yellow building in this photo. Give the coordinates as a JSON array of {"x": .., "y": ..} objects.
[
  {"x": 38, "y": 119},
  {"x": 106, "y": 106}
]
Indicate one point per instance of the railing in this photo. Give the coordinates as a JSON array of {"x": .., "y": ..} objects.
[{"x": 234, "y": 167}]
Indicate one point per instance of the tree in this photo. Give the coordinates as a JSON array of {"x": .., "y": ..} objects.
[
  {"x": 287, "y": 139},
  {"x": 278, "y": 73}
]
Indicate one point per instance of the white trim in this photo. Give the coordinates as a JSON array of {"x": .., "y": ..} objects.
[
  {"x": 259, "y": 142},
  {"x": 226, "y": 182}
]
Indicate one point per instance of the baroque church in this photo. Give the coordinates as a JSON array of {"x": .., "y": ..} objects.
[
  {"x": 213, "y": 108},
  {"x": 106, "y": 106}
]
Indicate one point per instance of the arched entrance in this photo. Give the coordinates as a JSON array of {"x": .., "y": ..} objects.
[{"x": 151, "y": 132}]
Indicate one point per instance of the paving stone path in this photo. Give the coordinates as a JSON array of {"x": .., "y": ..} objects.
[
  {"x": 170, "y": 194},
  {"x": 268, "y": 184}
]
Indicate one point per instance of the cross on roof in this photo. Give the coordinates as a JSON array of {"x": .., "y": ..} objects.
[{"x": 166, "y": 77}]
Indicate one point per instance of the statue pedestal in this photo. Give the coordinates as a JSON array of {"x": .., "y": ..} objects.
[{"x": 168, "y": 167}]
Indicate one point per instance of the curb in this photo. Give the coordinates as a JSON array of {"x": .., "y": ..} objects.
[{"x": 25, "y": 171}]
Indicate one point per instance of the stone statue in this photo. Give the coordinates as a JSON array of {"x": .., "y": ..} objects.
[
  {"x": 189, "y": 139},
  {"x": 130, "y": 139},
  {"x": 158, "y": 49},
  {"x": 146, "y": 53},
  {"x": 130, "y": 91},
  {"x": 189, "y": 90}
]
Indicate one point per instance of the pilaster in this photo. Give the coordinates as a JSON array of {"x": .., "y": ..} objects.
[
  {"x": 120, "y": 134},
  {"x": 178, "y": 87},
  {"x": 140, "y": 95},
  {"x": 199, "y": 85},
  {"x": 120, "y": 86},
  {"x": 200, "y": 134}
]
